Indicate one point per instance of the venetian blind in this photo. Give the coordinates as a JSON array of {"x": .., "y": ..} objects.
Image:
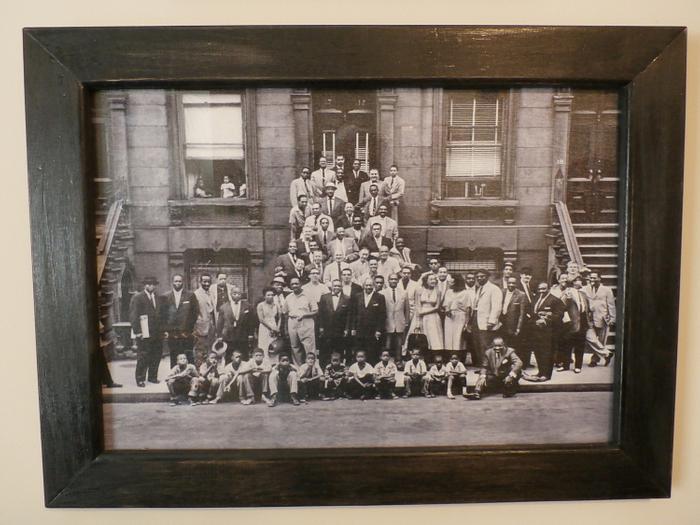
[{"x": 213, "y": 126}]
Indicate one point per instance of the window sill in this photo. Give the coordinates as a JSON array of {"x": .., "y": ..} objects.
[
  {"x": 215, "y": 210},
  {"x": 482, "y": 211}
]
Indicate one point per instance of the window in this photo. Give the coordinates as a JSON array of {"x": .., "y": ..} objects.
[
  {"x": 214, "y": 145},
  {"x": 474, "y": 144}
]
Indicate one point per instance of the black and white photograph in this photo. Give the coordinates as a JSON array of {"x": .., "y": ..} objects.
[{"x": 316, "y": 267}]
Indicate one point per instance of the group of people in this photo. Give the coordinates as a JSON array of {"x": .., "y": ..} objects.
[{"x": 347, "y": 293}]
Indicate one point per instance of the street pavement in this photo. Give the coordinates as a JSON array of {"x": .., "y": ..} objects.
[{"x": 527, "y": 419}]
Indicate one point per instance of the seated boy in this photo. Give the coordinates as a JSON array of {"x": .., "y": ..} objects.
[
  {"x": 456, "y": 377},
  {"x": 208, "y": 380},
  {"x": 182, "y": 381},
  {"x": 283, "y": 382},
  {"x": 360, "y": 378},
  {"x": 415, "y": 372},
  {"x": 500, "y": 371},
  {"x": 385, "y": 377},
  {"x": 309, "y": 378},
  {"x": 437, "y": 378},
  {"x": 236, "y": 380},
  {"x": 258, "y": 376},
  {"x": 334, "y": 378}
]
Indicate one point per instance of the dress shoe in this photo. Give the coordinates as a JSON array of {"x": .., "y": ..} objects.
[
  {"x": 607, "y": 360},
  {"x": 593, "y": 364},
  {"x": 140, "y": 384},
  {"x": 154, "y": 381},
  {"x": 577, "y": 370},
  {"x": 113, "y": 385}
]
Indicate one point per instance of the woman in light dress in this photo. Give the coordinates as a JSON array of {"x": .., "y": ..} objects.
[
  {"x": 456, "y": 304},
  {"x": 269, "y": 316},
  {"x": 427, "y": 317}
]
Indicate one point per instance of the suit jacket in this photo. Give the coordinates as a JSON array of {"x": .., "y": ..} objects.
[
  {"x": 351, "y": 249},
  {"x": 397, "y": 312},
  {"x": 214, "y": 292},
  {"x": 370, "y": 319},
  {"x": 514, "y": 317},
  {"x": 488, "y": 304},
  {"x": 286, "y": 262},
  {"x": 602, "y": 302},
  {"x": 302, "y": 251},
  {"x": 353, "y": 183},
  {"x": 353, "y": 233},
  {"x": 179, "y": 321},
  {"x": 364, "y": 192},
  {"x": 231, "y": 329},
  {"x": 334, "y": 322},
  {"x": 338, "y": 208},
  {"x": 330, "y": 236},
  {"x": 371, "y": 244},
  {"x": 394, "y": 190},
  {"x": 366, "y": 211},
  {"x": 319, "y": 183},
  {"x": 580, "y": 319},
  {"x": 141, "y": 305},
  {"x": 297, "y": 187},
  {"x": 344, "y": 221},
  {"x": 493, "y": 366},
  {"x": 389, "y": 227},
  {"x": 354, "y": 290},
  {"x": 403, "y": 258},
  {"x": 204, "y": 326},
  {"x": 551, "y": 310}
]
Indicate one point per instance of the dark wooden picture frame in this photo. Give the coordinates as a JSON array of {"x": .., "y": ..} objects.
[{"x": 62, "y": 67}]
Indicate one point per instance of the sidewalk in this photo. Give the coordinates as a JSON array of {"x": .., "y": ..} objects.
[{"x": 598, "y": 379}]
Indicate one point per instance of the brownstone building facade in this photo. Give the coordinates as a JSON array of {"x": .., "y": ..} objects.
[{"x": 484, "y": 172}]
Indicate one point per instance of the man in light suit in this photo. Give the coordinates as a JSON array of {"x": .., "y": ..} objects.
[
  {"x": 402, "y": 253},
  {"x": 322, "y": 176},
  {"x": 301, "y": 186},
  {"x": 389, "y": 226},
  {"x": 331, "y": 205},
  {"x": 387, "y": 265},
  {"x": 343, "y": 245},
  {"x": 221, "y": 293},
  {"x": 573, "y": 334},
  {"x": 513, "y": 313},
  {"x": 204, "y": 329},
  {"x": 487, "y": 310},
  {"x": 334, "y": 270},
  {"x": 179, "y": 311},
  {"x": 394, "y": 188},
  {"x": 334, "y": 319},
  {"x": 365, "y": 195},
  {"x": 298, "y": 215},
  {"x": 397, "y": 317},
  {"x": 602, "y": 305}
]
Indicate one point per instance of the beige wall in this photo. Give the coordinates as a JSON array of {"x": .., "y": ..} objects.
[{"x": 20, "y": 482}]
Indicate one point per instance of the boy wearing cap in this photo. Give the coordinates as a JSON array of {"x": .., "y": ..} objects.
[{"x": 145, "y": 325}]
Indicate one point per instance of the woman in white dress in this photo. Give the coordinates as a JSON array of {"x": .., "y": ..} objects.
[
  {"x": 427, "y": 317},
  {"x": 456, "y": 305},
  {"x": 269, "y": 316}
]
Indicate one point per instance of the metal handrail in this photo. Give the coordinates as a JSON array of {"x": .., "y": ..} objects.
[
  {"x": 567, "y": 229},
  {"x": 105, "y": 244}
]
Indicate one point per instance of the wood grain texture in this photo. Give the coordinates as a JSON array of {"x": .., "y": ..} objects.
[{"x": 61, "y": 65}]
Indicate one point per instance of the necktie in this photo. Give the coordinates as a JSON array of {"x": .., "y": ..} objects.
[
  {"x": 374, "y": 206},
  {"x": 153, "y": 299},
  {"x": 539, "y": 302},
  {"x": 315, "y": 221},
  {"x": 338, "y": 270},
  {"x": 330, "y": 206},
  {"x": 306, "y": 185},
  {"x": 325, "y": 237},
  {"x": 393, "y": 293},
  {"x": 323, "y": 176}
]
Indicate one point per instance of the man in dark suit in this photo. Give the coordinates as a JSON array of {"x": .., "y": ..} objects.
[
  {"x": 573, "y": 332},
  {"x": 513, "y": 313},
  {"x": 235, "y": 325},
  {"x": 368, "y": 320},
  {"x": 348, "y": 287},
  {"x": 354, "y": 180},
  {"x": 525, "y": 286},
  {"x": 332, "y": 205},
  {"x": 145, "y": 323},
  {"x": 376, "y": 240},
  {"x": 288, "y": 260},
  {"x": 179, "y": 311},
  {"x": 345, "y": 220},
  {"x": 334, "y": 319},
  {"x": 547, "y": 312},
  {"x": 374, "y": 202}
]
